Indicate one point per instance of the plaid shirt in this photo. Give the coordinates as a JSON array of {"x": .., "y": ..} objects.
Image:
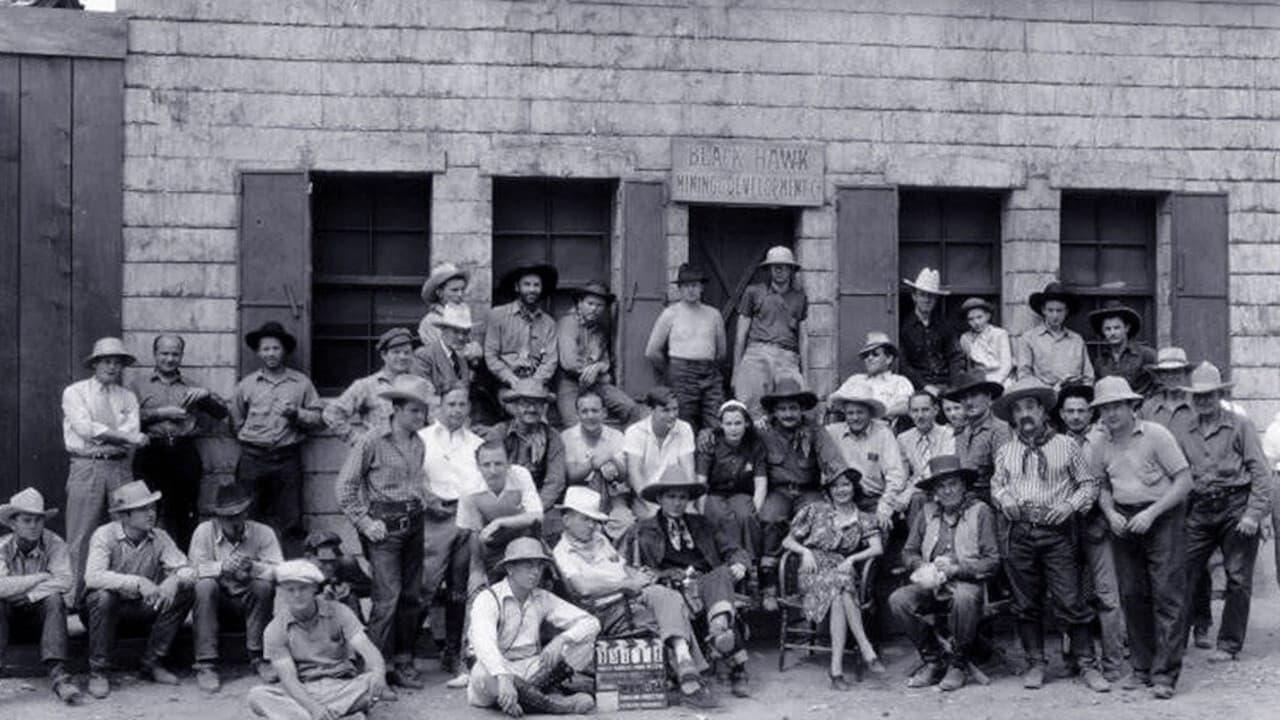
[{"x": 379, "y": 470}]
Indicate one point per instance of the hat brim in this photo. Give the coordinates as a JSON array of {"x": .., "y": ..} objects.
[
  {"x": 549, "y": 275},
  {"x": 1129, "y": 315},
  {"x": 931, "y": 291},
  {"x": 604, "y": 295},
  {"x": 394, "y": 394},
  {"x": 151, "y": 499},
  {"x": 411, "y": 340},
  {"x": 994, "y": 389},
  {"x": 980, "y": 305},
  {"x": 523, "y": 558},
  {"x": 593, "y": 514},
  {"x": 1003, "y": 408},
  {"x": 233, "y": 509},
  {"x": 1176, "y": 365},
  {"x": 969, "y": 475},
  {"x": 876, "y": 407},
  {"x": 289, "y": 342},
  {"x": 128, "y": 359},
  {"x": 507, "y": 395},
  {"x": 1038, "y": 299},
  {"x": 652, "y": 492},
  {"x": 434, "y": 282},
  {"x": 1203, "y": 389},
  {"x": 808, "y": 400},
  {"x": 1112, "y": 399},
  {"x": 8, "y": 511},
  {"x": 872, "y": 346}
]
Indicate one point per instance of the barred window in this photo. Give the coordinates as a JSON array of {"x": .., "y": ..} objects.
[
  {"x": 1108, "y": 251},
  {"x": 957, "y": 233}
]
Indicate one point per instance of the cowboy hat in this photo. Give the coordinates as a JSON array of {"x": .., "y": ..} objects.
[
  {"x": 271, "y": 329},
  {"x": 877, "y": 339},
  {"x": 1027, "y": 387},
  {"x": 395, "y": 337},
  {"x": 970, "y": 382},
  {"x": 231, "y": 500},
  {"x": 779, "y": 255},
  {"x": 131, "y": 496},
  {"x": 584, "y": 501},
  {"x": 441, "y": 274},
  {"x": 409, "y": 387},
  {"x": 303, "y": 572},
  {"x": 1170, "y": 358},
  {"x": 856, "y": 390},
  {"x": 942, "y": 467},
  {"x": 324, "y": 544},
  {"x": 789, "y": 388},
  {"x": 457, "y": 317},
  {"x": 1052, "y": 291},
  {"x": 526, "y": 388},
  {"x": 1114, "y": 308},
  {"x": 929, "y": 281},
  {"x": 523, "y": 548},
  {"x": 1112, "y": 389},
  {"x": 25, "y": 502},
  {"x": 1073, "y": 390},
  {"x": 594, "y": 287},
  {"x": 977, "y": 303},
  {"x": 673, "y": 478},
  {"x": 109, "y": 347},
  {"x": 1206, "y": 378},
  {"x": 689, "y": 273},
  {"x": 548, "y": 274}
]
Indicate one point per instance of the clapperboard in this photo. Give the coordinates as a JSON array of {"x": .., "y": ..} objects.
[{"x": 630, "y": 675}]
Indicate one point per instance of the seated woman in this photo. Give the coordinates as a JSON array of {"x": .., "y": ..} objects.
[
  {"x": 831, "y": 538},
  {"x": 734, "y": 470}
]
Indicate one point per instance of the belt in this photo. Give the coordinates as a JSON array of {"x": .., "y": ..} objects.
[
  {"x": 102, "y": 454},
  {"x": 1035, "y": 515},
  {"x": 170, "y": 441},
  {"x": 1219, "y": 493},
  {"x": 397, "y": 516}
]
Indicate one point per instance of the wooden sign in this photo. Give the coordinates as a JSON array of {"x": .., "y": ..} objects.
[
  {"x": 630, "y": 675},
  {"x": 745, "y": 172}
]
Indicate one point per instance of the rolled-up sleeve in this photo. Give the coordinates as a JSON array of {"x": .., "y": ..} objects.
[{"x": 572, "y": 621}]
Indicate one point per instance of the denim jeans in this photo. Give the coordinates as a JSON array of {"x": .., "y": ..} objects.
[
  {"x": 250, "y": 604},
  {"x": 1045, "y": 559},
  {"x": 1152, "y": 573},
  {"x": 397, "y": 589},
  {"x": 48, "y": 614},
  {"x": 274, "y": 477},
  {"x": 961, "y": 600},
  {"x": 699, "y": 387},
  {"x": 1211, "y": 525},
  {"x": 108, "y": 608}
]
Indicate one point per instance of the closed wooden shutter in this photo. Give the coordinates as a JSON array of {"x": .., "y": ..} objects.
[
  {"x": 1200, "y": 305},
  {"x": 644, "y": 279},
  {"x": 275, "y": 259},
  {"x": 867, "y": 259}
]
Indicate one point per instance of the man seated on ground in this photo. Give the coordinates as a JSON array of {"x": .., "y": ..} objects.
[
  {"x": 344, "y": 580},
  {"x": 136, "y": 573},
  {"x": 687, "y": 552},
  {"x": 625, "y": 599},
  {"x": 507, "y": 508},
  {"x": 235, "y": 560},
  {"x": 35, "y": 578},
  {"x": 310, "y": 643},
  {"x": 514, "y": 671},
  {"x": 951, "y": 552}
]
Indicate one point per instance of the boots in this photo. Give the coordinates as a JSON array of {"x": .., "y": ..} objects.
[
  {"x": 547, "y": 679},
  {"x": 534, "y": 700}
]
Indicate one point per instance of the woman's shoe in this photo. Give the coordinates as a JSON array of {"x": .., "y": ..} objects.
[
  {"x": 839, "y": 683},
  {"x": 874, "y": 665}
]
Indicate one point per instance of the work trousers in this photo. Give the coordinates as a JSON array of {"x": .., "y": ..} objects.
[
  {"x": 1152, "y": 575},
  {"x": 761, "y": 367},
  {"x": 1211, "y": 525},
  {"x": 699, "y": 387},
  {"x": 49, "y": 614},
  {"x": 108, "y": 608},
  {"x": 1044, "y": 558},
  {"x": 397, "y": 568},
  {"x": 249, "y": 604},
  {"x": 657, "y": 609},
  {"x": 447, "y": 563},
  {"x": 344, "y": 696},
  {"x": 89, "y": 483},
  {"x": 621, "y": 408},
  {"x": 173, "y": 467},
  {"x": 1100, "y": 578},
  {"x": 735, "y": 516},
  {"x": 482, "y": 690},
  {"x": 274, "y": 477},
  {"x": 913, "y": 607}
]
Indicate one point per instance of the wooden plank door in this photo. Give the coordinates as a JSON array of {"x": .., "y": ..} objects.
[
  {"x": 10, "y": 258},
  {"x": 1200, "y": 264},
  {"x": 867, "y": 269},
  {"x": 275, "y": 259},
  {"x": 644, "y": 280}
]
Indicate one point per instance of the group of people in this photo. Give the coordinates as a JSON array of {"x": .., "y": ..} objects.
[{"x": 976, "y": 465}]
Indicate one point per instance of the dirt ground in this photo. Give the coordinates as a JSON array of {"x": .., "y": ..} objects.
[{"x": 1246, "y": 689}]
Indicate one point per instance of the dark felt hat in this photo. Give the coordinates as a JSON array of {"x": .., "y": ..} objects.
[
  {"x": 594, "y": 287},
  {"x": 549, "y": 275},
  {"x": 271, "y": 329},
  {"x": 1053, "y": 291},
  {"x": 942, "y": 467},
  {"x": 690, "y": 273},
  {"x": 973, "y": 381},
  {"x": 789, "y": 389},
  {"x": 231, "y": 500},
  {"x": 1115, "y": 308}
]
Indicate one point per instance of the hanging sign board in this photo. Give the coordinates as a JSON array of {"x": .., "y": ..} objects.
[{"x": 747, "y": 172}]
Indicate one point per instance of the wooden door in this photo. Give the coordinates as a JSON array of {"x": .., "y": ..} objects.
[
  {"x": 867, "y": 269},
  {"x": 644, "y": 280},
  {"x": 1200, "y": 267}
]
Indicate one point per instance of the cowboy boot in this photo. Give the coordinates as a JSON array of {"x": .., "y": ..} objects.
[
  {"x": 534, "y": 700},
  {"x": 546, "y": 679}
]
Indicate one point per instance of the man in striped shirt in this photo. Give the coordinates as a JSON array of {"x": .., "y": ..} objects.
[{"x": 1041, "y": 481}]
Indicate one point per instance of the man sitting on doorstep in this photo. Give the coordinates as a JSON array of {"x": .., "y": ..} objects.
[
  {"x": 1118, "y": 325},
  {"x": 583, "y": 336},
  {"x": 771, "y": 340},
  {"x": 520, "y": 337},
  {"x": 1051, "y": 352},
  {"x": 986, "y": 346}
]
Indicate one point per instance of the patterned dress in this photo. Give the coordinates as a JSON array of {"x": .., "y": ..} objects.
[{"x": 832, "y": 536}]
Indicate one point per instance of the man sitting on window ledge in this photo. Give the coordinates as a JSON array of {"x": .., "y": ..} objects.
[{"x": 520, "y": 338}]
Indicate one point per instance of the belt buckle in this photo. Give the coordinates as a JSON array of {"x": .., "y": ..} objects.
[{"x": 402, "y": 523}]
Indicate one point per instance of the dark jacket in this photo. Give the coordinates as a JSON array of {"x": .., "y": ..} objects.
[{"x": 646, "y": 544}]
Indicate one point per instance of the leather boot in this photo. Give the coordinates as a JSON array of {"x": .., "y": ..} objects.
[{"x": 536, "y": 701}]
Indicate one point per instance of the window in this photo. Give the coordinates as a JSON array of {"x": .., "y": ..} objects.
[
  {"x": 370, "y": 252},
  {"x": 564, "y": 223},
  {"x": 957, "y": 233},
  {"x": 1108, "y": 250}
]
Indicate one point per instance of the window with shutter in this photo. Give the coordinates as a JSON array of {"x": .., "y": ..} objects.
[
  {"x": 867, "y": 269},
  {"x": 956, "y": 232}
]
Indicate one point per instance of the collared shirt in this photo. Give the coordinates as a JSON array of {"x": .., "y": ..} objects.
[
  {"x": 801, "y": 456},
  {"x": 1170, "y": 408},
  {"x": 653, "y": 456},
  {"x": 732, "y": 469},
  {"x": 990, "y": 352},
  {"x": 518, "y": 496},
  {"x": 775, "y": 316},
  {"x": 18, "y": 569},
  {"x": 1228, "y": 454},
  {"x": 504, "y": 630},
  {"x": 584, "y": 456},
  {"x": 540, "y": 451},
  {"x": 581, "y": 344},
  {"x": 90, "y": 409},
  {"x": 441, "y": 365},
  {"x": 1130, "y": 363},
  {"x": 930, "y": 353},
  {"x": 450, "y": 461},
  {"x": 320, "y": 647},
  {"x": 359, "y": 409},
  {"x": 687, "y": 332},
  {"x": 1057, "y": 473},
  {"x": 977, "y": 444},
  {"x": 918, "y": 449},
  {"x": 256, "y": 408},
  {"x": 875, "y": 453},
  {"x": 595, "y": 560},
  {"x": 117, "y": 563},
  {"x": 520, "y": 344},
  {"x": 1053, "y": 357},
  {"x": 210, "y": 547},
  {"x": 1139, "y": 467},
  {"x": 379, "y": 469},
  {"x": 157, "y": 391},
  {"x": 890, "y": 388}
]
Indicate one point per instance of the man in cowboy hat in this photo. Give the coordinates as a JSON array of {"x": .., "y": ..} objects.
[
  {"x": 311, "y": 643},
  {"x": 687, "y": 552},
  {"x": 583, "y": 338},
  {"x": 135, "y": 573},
  {"x": 1051, "y": 352},
  {"x": 687, "y": 345},
  {"x": 624, "y": 598},
  {"x": 520, "y": 338},
  {"x": 272, "y": 411},
  {"x": 1041, "y": 483},
  {"x": 983, "y": 432},
  {"x": 955, "y": 536},
  {"x": 444, "y": 288},
  {"x": 930, "y": 351},
  {"x": 234, "y": 558},
  {"x": 771, "y": 342},
  {"x": 381, "y": 488},
  {"x": 171, "y": 409},
  {"x": 360, "y": 408},
  {"x": 507, "y": 507},
  {"x": 1145, "y": 479},
  {"x": 35, "y": 579},
  {"x": 514, "y": 670},
  {"x": 889, "y": 388},
  {"x": 101, "y": 427},
  {"x": 532, "y": 443},
  {"x": 1230, "y": 496},
  {"x": 872, "y": 449},
  {"x": 1118, "y": 325}
]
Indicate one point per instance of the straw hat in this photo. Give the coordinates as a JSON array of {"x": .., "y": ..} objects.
[
  {"x": 673, "y": 479},
  {"x": 1206, "y": 378},
  {"x": 131, "y": 496},
  {"x": 779, "y": 255},
  {"x": 1027, "y": 387},
  {"x": 929, "y": 281},
  {"x": 942, "y": 467},
  {"x": 109, "y": 347},
  {"x": 457, "y": 317},
  {"x": 877, "y": 339},
  {"x": 789, "y": 388},
  {"x": 1114, "y": 308},
  {"x": 584, "y": 501},
  {"x": 523, "y": 548},
  {"x": 856, "y": 390},
  {"x": 409, "y": 387},
  {"x": 1112, "y": 389},
  {"x": 1170, "y": 358},
  {"x": 441, "y": 274},
  {"x": 271, "y": 329},
  {"x": 303, "y": 572},
  {"x": 25, "y": 502}
]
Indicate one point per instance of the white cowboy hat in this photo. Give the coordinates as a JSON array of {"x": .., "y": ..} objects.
[
  {"x": 584, "y": 501},
  {"x": 1112, "y": 389},
  {"x": 856, "y": 390},
  {"x": 453, "y": 316},
  {"x": 929, "y": 280},
  {"x": 1170, "y": 358},
  {"x": 26, "y": 502}
]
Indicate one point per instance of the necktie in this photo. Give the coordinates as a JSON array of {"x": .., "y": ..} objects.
[
  {"x": 925, "y": 451},
  {"x": 457, "y": 365},
  {"x": 678, "y": 533}
]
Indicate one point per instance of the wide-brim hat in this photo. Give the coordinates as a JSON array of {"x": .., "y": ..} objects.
[
  {"x": 876, "y": 339},
  {"x": 689, "y": 273},
  {"x": 109, "y": 347},
  {"x": 927, "y": 280},
  {"x": 131, "y": 496},
  {"x": 942, "y": 467},
  {"x": 779, "y": 255},
  {"x": 271, "y": 329},
  {"x": 595, "y": 287},
  {"x": 789, "y": 389},
  {"x": 526, "y": 389},
  {"x": 1113, "y": 389},
  {"x": 1073, "y": 390},
  {"x": 1053, "y": 291},
  {"x": 1206, "y": 378},
  {"x": 970, "y": 382},
  {"x": 457, "y": 317},
  {"x": 523, "y": 548},
  {"x": 441, "y": 274},
  {"x": 549, "y": 275},
  {"x": 1027, "y": 387},
  {"x": 584, "y": 501},
  {"x": 977, "y": 303},
  {"x": 1114, "y": 308},
  {"x": 26, "y": 502},
  {"x": 231, "y": 500},
  {"x": 856, "y": 390},
  {"x": 1170, "y": 358},
  {"x": 673, "y": 478},
  {"x": 395, "y": 337},
  {"x": 299, "y": 571},
  {"x": 409, "y": 387}
]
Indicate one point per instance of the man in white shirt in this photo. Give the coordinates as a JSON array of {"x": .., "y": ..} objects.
[
  {"x": 656, "y": 443},
  {"x": 893, "y": 390}
]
